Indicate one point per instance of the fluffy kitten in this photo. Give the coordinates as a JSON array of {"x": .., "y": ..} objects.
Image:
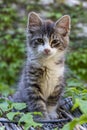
[{"x": 42, "y": 79}]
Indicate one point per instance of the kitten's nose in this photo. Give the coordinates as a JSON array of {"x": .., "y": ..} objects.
[{"x": 47, "y": 51}]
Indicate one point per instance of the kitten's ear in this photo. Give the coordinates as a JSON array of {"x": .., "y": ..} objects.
[
  {"x": 64, "y": 23},
  {"x": 34, "y": 20}
]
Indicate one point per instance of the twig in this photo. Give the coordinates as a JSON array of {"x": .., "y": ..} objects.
[
  {"x": 7, "y": 121},
  {"x": 38, "y": 121},
  {"x": 67, "y": 114},
  {"x": 51, "y": 121}
]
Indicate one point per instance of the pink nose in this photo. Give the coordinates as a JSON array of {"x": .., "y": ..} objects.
[{"x": 46, "y": 51}]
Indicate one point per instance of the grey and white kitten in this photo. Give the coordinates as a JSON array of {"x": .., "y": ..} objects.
[{"x": 42, "y": 80}]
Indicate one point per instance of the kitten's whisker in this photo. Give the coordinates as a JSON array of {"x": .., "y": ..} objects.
[{"x": 37, "y": 57}]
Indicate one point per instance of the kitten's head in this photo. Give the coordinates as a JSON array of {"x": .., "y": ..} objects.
[{"x": 46, "y": 39}]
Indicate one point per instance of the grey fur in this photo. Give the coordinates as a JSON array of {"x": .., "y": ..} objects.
[{"x": 35, "y": 86}]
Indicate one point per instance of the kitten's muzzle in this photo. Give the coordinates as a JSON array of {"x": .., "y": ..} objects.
[{"x": 47, "y": 51}]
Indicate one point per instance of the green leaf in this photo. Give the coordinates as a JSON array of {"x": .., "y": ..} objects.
[
  {"x": 28, "y": 119},
  {"x": 76, "y": 104},
  {"x": 5, "y": 89},
  {"x": 83, "y": 119},
  {"x": 19, "y": 106},
  {"x": 11, "y": 115},
  {"x": 4, "y": 106},
  {"x": 37, "y": 113},
  {"x": 83, "y": 106},
  {"x": 66, "y": 127},
  {"x": 70, "y": 125},
  {"x": 2, "y": 127},
  {"x": 55, "y": 129}
]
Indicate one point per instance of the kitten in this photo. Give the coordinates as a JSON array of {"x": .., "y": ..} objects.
[{"x": 42, "y": 80}]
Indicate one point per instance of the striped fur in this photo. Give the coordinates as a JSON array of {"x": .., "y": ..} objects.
[{"x": 42, "y": 81}]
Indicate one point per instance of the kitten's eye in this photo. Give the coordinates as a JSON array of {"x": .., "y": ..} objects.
[
  {"x": 40, "y": 40},
  {"x": 55, "y": 43}
]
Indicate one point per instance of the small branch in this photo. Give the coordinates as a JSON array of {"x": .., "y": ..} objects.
[
  {"x": 51, "y": 121},
  {"x": 67, "y": 114},
  {"x": 7, "y": 121},
  {"x": 37, "y": 120}
]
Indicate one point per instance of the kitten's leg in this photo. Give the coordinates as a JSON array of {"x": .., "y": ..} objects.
[
  {"x": 35, "y": 99},
  {"x": 53, "y": 102},
  {"x": 37, "y": 103},
  {"x": 52, "y": 113}
]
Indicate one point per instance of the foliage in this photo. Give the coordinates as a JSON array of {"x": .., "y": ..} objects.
[
  {"x": 6, "y": 110},
  {"x": 12, "y": 36},
  {"x": 26, "y": 119},
  {"x": 81, "y": 104},
  {"x": 2, "y": 127},
  {"x": 78, "y": 62},
  {"x": 12, "y": 43},
  {"x": 76, "y": 121},
  {"x": 76, "y": 89},
  {"x": 5, "y": 90},
  {"x": 13, "y": 20}
]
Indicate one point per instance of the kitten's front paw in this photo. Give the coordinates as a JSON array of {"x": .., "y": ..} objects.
[
  {"x": 53, "y": 115},
  {"x": 46, "y": 116}
]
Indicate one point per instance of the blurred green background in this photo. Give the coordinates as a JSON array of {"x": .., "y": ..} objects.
[{"x": 13, "y": 21}]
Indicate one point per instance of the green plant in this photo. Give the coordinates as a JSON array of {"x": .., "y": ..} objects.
[
  {"x": 25, "y": 119},
  {"x": 13, "y": 15},
  {"x": 12, "y": 44},
  {"x": 76, "y": 89},
  {"x": 82, "y": 104},
  {"x": 74, "y": 122},
  {"x": 12, "y": 36}
]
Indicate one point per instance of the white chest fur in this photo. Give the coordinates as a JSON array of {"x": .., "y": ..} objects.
[{"x": 51, "y": 78}]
